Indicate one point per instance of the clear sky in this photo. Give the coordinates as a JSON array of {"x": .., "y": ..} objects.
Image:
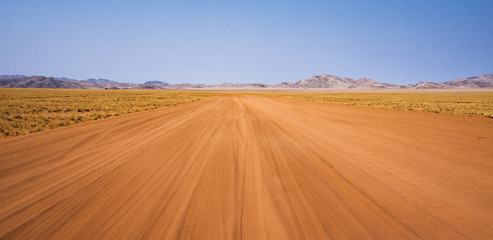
[{"x": 393, "y": 41}]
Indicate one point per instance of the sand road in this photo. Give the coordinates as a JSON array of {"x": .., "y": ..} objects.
[{"x": 252, "y": 167}]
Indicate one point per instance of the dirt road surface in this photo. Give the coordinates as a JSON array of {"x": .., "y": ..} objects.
[{"x": 252, "y": 167}]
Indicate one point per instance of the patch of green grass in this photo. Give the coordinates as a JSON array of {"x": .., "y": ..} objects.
[
  {"x": 450, "y": 103},
  {"x": 25, "y": 111}
]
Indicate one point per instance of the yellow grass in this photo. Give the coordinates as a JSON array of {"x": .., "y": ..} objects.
[
  {"x": 24, "y": 111},
  {"x": 450, "y": 103}
]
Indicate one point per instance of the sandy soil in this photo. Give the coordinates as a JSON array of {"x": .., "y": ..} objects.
[{"x": 252, "y": 167}]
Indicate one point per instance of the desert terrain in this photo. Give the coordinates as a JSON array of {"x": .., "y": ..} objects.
[{"x": 240, "y": 166}]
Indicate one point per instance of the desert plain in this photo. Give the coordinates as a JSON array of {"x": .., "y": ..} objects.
[{"x": 252, "y": 166}]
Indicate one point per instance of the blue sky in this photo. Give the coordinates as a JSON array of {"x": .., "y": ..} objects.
[{"x": 247, "y": 41}]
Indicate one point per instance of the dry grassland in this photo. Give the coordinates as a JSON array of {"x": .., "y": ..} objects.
[
  {"x": 449, "y": 103},
  {"x": 25, "y": 111}
]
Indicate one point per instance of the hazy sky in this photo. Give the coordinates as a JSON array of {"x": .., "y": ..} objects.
[{"x": 390, "y": 41}]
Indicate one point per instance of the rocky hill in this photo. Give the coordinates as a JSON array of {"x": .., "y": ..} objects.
[
  {"x": 37, "y": 82},
  {"x": 426, "y": 85},
  {"x": 334, "y": 82},
  {"x": 484, "y": 81},
  {"x": 21, "y": 81}
]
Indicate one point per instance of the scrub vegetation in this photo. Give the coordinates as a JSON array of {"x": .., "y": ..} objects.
[
  {"x": 450, "y": 103},
  {"x": 25, "y": 111}
]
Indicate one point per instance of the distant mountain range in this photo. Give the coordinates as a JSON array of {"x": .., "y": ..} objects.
[
  {"x": 21, "y": 81},
  {"x": 323, "y": 81},
  {"x": 330, "y": 81}
]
